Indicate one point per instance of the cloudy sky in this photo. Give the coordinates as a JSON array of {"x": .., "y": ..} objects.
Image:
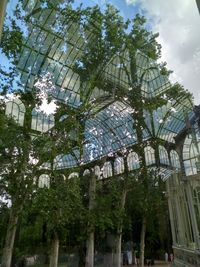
[{"x": 178, "y": 23}]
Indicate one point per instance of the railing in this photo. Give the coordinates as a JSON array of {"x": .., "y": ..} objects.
[{"x": 186, "y": 257}]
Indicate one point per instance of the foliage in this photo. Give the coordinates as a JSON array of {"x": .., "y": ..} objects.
[{"x": 106, "y": 37}]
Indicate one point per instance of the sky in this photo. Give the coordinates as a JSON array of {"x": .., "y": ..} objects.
[{"x": 178, "y": 23}]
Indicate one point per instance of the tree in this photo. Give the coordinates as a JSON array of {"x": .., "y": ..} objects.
[
  {"x": 17, "y": 173},
  {"x": 114, "y": 63},
  {"x": 124, "y": 51},
  {"x": 90, "y": 67},
  {"x": 59, "y": 206}
]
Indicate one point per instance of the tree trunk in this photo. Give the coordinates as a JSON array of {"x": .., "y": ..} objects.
[
  {"x": 10, "y": 238},
  {"x": 117, "y": 262},
  {"x": 142, "y": 241},
  {"x": 90, "y": 240},
  {"x": 90, "y": 250},
  {"x": 54, "y": 251}
]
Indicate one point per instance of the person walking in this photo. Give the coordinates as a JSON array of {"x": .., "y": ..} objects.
[
  {"x": 166, "y": 257},
  {"x": 171, "y": 257}
]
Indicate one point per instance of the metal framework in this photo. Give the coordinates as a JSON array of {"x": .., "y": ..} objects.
[{"x": 52, "y": 44}]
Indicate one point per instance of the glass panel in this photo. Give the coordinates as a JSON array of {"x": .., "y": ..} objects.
[
  {"x": 44, "y": 181},
  {"x": 175, "y": 162},
  {"x": 133, "y": 161},
  {"x": 107, "y": 170},
  {"x": 149, "y": 155},
  {"x": 163, "y": 155},
  {"x": 16, "y": 110},
  {"x": 119, "y": 165}
]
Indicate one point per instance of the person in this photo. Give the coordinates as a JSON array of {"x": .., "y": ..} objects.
[
  {"x": 125, "y": 258},
  {"x": 130, "y": 257},
  {"x": 149, "y": 262},
  {"x": 134, "y": 258},
  {"x": 171, "y": 257},
  {"x": 137, "y": 257},
  {"x": 166, "y": 257}
]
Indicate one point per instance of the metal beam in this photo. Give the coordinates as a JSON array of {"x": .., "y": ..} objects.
[
  {"x": 198, "y": 4},
  {"x": 2, "y": 14}
]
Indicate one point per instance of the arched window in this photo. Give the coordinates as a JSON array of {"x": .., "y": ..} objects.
[
  {"x": 149, "y": 155},
  {"x": 175, "y": 162},
  {"x": 73, "y": 175},
  {"x": 119, "y": 165},
  {"x": 16, "y": 110},
  {"x": 41, "y": 122},
  {"x": 163, "y": 155},
  {"x": 107, "y": 169},
  {"x": 44, "y": 181},
  {"x": 86, "y": 172},
  {"x": 133, "y": 161},
  {"x": 191, "y": 155},
  {"x": 63, "y": 117},
  {"x": 97, "y": 172}
]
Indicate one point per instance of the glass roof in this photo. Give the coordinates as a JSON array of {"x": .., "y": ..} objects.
[{"x": 53, "y": 41}]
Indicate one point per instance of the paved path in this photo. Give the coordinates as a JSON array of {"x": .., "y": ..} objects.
[
  {"x": 161, "y": 264},
  {"x": 157, "y": 264}
]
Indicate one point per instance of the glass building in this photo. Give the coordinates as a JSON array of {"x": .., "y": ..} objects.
[{"x": 52, "y": 44}]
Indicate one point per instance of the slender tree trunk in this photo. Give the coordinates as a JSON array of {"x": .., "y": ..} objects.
[
  {"x": 10, "y": 238},
  {"x": 90, "y": 240},
  {"x": 117, "y": 262},
  {"x": 90, "y": 250},
  {"x": 54, "y": 251},
  {"x": 142, "y": 241}
]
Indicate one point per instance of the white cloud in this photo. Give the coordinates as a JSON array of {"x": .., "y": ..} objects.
[
  {"x": 131, "y": 2},
  {"x": 45, "y": 87},
  {"x": 46, "y": 107},
  {"x": 178, "y": 24}
]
